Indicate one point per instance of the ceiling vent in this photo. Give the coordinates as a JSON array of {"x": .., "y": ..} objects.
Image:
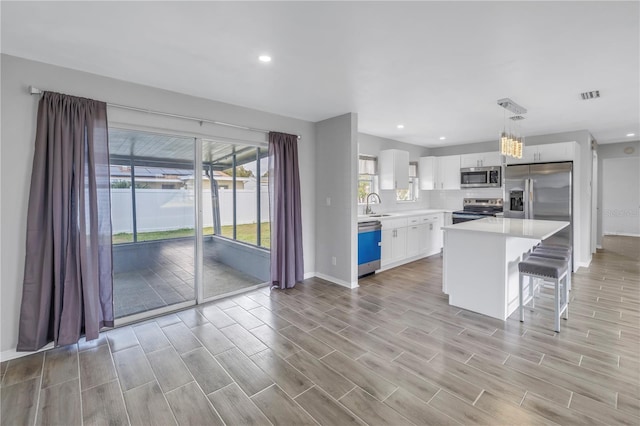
[
  {"x": 516, "y": 117},
  {"x": 590, "y": 95}
]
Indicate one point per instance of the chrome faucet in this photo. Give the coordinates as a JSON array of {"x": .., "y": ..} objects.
[{"x": 368, "y": 210}]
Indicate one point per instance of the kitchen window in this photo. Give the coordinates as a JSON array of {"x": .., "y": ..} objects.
[
  {"x": 367, "y": 179},
  {"x": 410, "y": 194}
]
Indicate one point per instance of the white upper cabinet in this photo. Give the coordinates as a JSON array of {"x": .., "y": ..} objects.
[
  {"x": 427, "y": 172},
  {"x": 563, "y": 151},
  {"x": 393, "y": 169},
  {"x": 449, "y": 172},
  {"x": 439, "y": 172},
  {"x": 483, "y": 159}
]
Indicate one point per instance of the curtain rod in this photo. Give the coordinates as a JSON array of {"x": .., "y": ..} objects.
[{"x": 36, "y": 91}]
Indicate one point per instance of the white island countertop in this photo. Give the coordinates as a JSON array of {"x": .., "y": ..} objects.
[
  {"x": 481, "y": 257},
  {"x": 520, "y": 228}
]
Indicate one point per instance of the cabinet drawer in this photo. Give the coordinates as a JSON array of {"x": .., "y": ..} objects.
[
  {"x": 432, "y": 218},
  {"x": 394, "y": 223},
  {"x": 413, "y": 220}
]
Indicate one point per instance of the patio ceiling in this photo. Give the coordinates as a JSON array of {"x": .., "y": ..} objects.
[{"x": 158, "y": 150}]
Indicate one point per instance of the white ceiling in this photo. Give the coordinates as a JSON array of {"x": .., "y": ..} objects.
[{"x": 436, "y": 67}]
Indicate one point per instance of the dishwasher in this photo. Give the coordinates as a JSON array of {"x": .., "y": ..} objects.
[{"x": 369, "y": 243}]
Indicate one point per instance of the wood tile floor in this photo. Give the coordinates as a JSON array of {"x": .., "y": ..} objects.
[{"x": 392, "y": 352}]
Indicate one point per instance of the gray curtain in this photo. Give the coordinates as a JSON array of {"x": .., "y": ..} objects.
[
  {"x": 287, "y": 266},
  {"x": 68, "y": 287}
]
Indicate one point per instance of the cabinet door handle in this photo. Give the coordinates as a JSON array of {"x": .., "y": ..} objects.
[{"x": 431, "y": 227}]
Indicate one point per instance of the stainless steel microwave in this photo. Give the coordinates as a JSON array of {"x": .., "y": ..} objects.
[{"x": 481, "y": 177}]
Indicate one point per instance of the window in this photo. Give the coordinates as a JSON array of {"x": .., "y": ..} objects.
[
  {"x": 410, "y": 194},
  {"x": 239, "y": 187},
  {"x": 152, "y": 181},
  {"x": 367, "y": 179}
]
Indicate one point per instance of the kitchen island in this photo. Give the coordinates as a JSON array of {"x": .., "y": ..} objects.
[{"x": 480, "y": 269}]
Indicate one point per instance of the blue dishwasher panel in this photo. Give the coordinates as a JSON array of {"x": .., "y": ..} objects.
[{"x": 368, "y": 246}]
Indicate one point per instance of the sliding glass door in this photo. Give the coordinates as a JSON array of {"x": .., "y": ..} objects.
[
  {"x": 153, "y": 217},
  {"x": 235, "y": 218},
  {"x": 160, "y": 198}
]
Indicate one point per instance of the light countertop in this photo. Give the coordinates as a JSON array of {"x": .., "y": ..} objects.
[
  {"x": 400, "y": 214},
  {"x": 520, "y": 228}
]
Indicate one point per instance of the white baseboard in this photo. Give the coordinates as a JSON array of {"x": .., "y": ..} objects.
[
  {"x": 13, "y": 353},
  {"x": 337, "y": 281},
  {"x": 622, "y": 234},
  {"x": 309, "y": 275},
  {"x": 582, "y": 265}
]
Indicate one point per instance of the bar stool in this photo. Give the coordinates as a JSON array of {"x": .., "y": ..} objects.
[
  {"x": 558, "y": 247},
  {"x": 559, "y": 253},
  {"x": 551, "y": 270}
]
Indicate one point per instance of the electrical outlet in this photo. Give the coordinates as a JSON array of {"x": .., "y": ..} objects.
[
  {"x": 333, "y": 260},
  {"x": 328, "y": 201}
]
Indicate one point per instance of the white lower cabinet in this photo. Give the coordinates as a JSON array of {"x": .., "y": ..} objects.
[
  {"x": 433, "y": 225},
  {"x": 386, "y": 251},
  {"x": 394, "y": 241},
  {"x": 399, "y": 245},
  {"x": 416, "y": 239},
  {"x": 407, "y": 239}
]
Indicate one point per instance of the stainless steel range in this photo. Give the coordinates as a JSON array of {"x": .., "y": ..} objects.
[{"x": 477, "y": 208}]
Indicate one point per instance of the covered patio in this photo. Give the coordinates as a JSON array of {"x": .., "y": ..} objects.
[{"x": 154, "y": 201}]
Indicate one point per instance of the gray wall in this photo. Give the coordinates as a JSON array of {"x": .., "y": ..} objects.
[
  {"x": 611, "y": 151},
  {"x": 336, "y": 186},
  {"x": 372, "y": 145},
  {"x": 18, "y": 133}
]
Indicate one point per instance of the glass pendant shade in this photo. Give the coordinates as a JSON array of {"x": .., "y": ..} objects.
[
  {"x": 511, "y": 145},
  {"x": 504, "y": 143}
]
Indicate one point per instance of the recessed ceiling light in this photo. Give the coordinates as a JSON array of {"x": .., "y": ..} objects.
[
  {"x": 264, "y": 58},
  {"x": 442, "y": 138},
  {"x": 630, "y": 134},
  {"x": 400, "y": 126}
]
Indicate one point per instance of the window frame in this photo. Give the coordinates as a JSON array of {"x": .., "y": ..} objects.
[
  {"x": 369, "y": 178},
  {"x": 414, "y": 189},
  {"x": 261, "y": 151}
]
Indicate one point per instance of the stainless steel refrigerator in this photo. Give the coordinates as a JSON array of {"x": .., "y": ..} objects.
[{"x": 541, "y": 191}]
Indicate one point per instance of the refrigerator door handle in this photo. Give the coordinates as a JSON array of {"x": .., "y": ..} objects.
[
  {"x": 526, "y": 199},
  {"x": 531, "y": 199}
]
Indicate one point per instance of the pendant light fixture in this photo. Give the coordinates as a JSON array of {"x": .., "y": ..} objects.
[{"x": 512, "y": 141}]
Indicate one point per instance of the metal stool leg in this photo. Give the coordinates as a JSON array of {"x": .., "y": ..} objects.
[
  {"x": 521, "y": 296},
  {"x": 556, "y": 314},
  {"x": 566, "y": 296},
  {"x": 532, "y": 291}
]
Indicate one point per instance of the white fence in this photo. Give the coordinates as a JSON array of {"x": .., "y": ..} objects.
[{"x": 168, "y": 209}]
